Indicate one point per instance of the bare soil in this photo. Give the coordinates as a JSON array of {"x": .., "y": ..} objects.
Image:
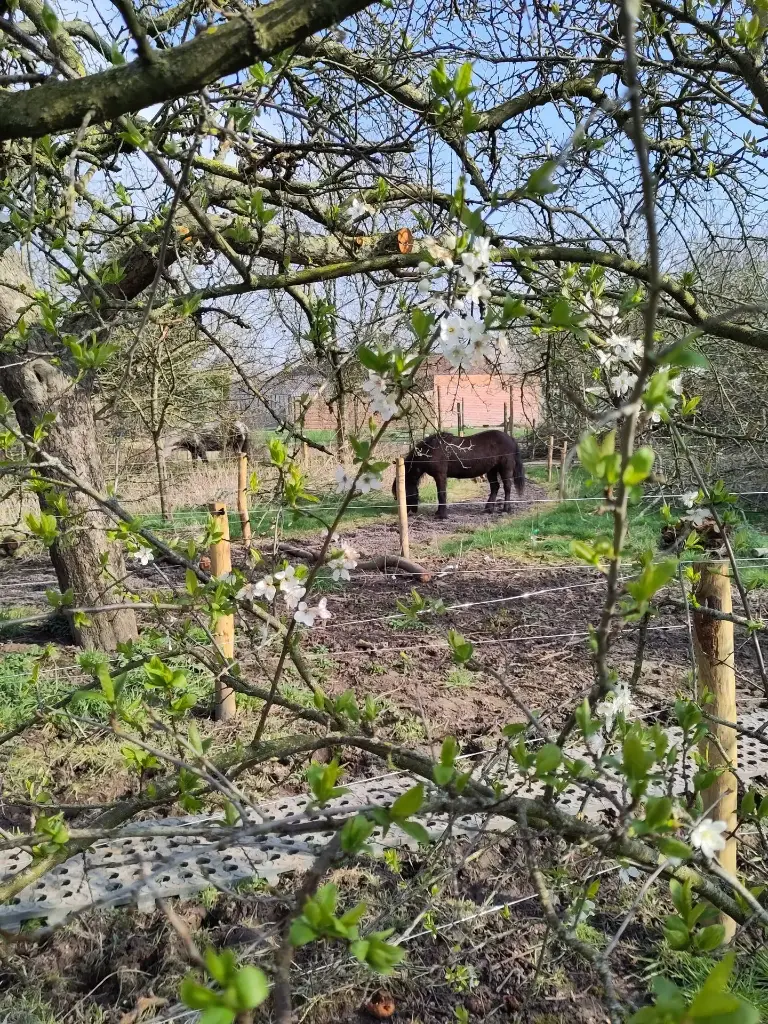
[{"x": 528, "y": 622}]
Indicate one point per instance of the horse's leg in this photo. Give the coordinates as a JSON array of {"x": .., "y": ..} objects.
[
  {"x": 442, "y": 495},
  {"x": 507, "y": 480},
  {"x": 493, "y": 480}
]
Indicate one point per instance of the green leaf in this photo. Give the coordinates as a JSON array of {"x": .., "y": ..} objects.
[
  {"x": 548, "y": 759},
  {"x": 462, "y": 81},
  {"x": 674, "y": 848},
  {"x": 657, "y": 812},
  {"x": 422, "y": 324},
  {"x": 194, "y": 995},
  {"x": 251, "y": 987},
  {"x": 442, "y": 774},
  {"x": 676, "y": 932},
  {"x": 540, "y": 181},
  {"x": 416, "y": 831},
  {"x": 49, "y": 19},
  {"x": 355, "y": 833},
  {"x": 709, "y": 938},
  {"x": 301, "y": 933},
  {"x": 681, "y": 897},
  {"x": 460, "y": 648},
  {"x": 217, "y": 1015},
  {"x": 653, "y": 577},
  {"x": 684, "y": 355},
  {"x": 639, "y": 466},
  {"x": 408, "y": 803}
]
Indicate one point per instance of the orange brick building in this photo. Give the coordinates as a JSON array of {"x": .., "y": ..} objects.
[{"x": 441, "y": 389}]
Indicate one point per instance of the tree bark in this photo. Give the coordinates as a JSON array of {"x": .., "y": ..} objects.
[{"x": 83, "y": 557}]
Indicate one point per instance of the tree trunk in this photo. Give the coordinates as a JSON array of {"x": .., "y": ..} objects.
[{"x": 83, "y": 557}]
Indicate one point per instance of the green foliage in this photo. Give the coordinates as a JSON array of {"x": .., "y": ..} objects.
[
  {"x": 692, "y": 927},
  {"x": 322, "y": 780},
  {"x": 404, "y": 807},
  {"x": 713, "y": 1002},
  {"x": 238, "y": 989},
  {"x": 461, "y": 649}
]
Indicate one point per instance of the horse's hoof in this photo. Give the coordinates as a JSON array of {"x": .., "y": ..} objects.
[
  {"x": 488, "y": 508},
  {"x": 507, "y": 508},
  {"x": 441, "y": 515}
]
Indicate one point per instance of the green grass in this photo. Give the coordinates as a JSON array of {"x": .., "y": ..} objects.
[
  {"x": 688, "y": 971},
  {"x": 22, "y": 693},
  {"x": 547, "y": 531},
  {"x": 311, "y": 516}
]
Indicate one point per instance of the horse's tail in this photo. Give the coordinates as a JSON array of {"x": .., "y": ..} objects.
[{"x": 518, "y": 470}]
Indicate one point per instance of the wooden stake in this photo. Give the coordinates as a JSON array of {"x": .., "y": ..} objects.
[
  {"x": 224, "y": 633},
  {"x": 458, "y": 418},
  {"x": 439, "y": 408},
  {"x": 402, "y": 510},
  {"x": 713, "y": 644},
  {"x": 305, "y": 453},
  {"x": 242, "y": 499},
  {"x": 563, "y": 454},
  {"x": 550, "y": 451},
  {"x": 506, "y": 430},
  {"x": 511, "y": 409}
]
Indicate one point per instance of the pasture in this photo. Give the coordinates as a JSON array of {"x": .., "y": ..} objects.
[{"x": 511, "y": 586}]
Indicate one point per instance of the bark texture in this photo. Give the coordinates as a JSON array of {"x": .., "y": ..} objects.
[{"x": 84, "y": 558}]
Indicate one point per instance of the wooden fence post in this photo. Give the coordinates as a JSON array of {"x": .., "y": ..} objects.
[
  {"x": 505, "y": 424},
  {"x": 511, "y": 409},
  {"x": 224, "y": 633},
  {"x": 242, "y": 499},
  {"x": 563, "y": 454},
  {"x": 550, "y": 451},
  {"x": 713, "y": 644},
  {"x": 402, "y": 510},
  {"x": 439, "y": 409},
  {"x": 458, "y": 419}
]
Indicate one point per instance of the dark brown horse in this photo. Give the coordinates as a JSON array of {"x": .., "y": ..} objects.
[{"x": 490, "y": 453}]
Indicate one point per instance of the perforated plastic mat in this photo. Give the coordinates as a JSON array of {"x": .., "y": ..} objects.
[{"x": 138, "y": 869}]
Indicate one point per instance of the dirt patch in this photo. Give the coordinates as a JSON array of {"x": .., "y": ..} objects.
[{"x": 472, "y": 952}]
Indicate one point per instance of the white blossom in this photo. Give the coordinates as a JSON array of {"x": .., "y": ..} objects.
[
  {"x": 438, "y": 303},
  {"x": 455, "y": 352},
  {"x": 291, "y": 586},
  {"x": 596, "y": 744},
  {"x": 605, "y": 356},
  {"x": 478, "y": 291},
  {"x": 343, "y": 480},
  {"x": 481, "y": 346},
  {"x": 424, "y": 286},
  {"x": 676, "y": 385},
  {"x": 624, "y": 347},
  {"x": 618, "y": 702},
  {"x": 482, "y": 250},
  {"x": 358, "y": 210},
  {"x": 689, "y": 498},
  {"x": 470, "y": 264},
  {"x": 424, "y": 267},
  {"x": 381, "y": 402},
  {"x": 628, "y": 872},
  {"x": 342, "y": 562},
  {"x": 599, "y": 310},
  {"x": 368, "y": 481},
  {"x": 452, "y": 328},
  {"x": 265, "y": 588},
  {"x": 708, "y": 836},
  {"x": 143, "y": 555},
  {"x": 306, "y": 615},
  {"x": 623, "y": 382}
]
